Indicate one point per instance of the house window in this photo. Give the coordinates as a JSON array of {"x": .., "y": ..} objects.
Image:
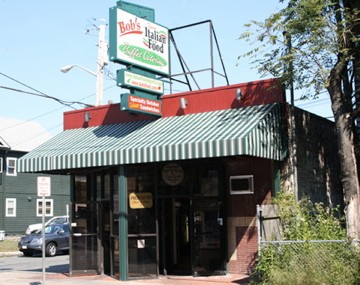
[
  {"x": 48, "y": 207},
  {"x": 11, "y": 166},
  {"x": 242, "y": 184},
  {"x": 1, "y": 164},
  {"x": 10, "y": 206}
]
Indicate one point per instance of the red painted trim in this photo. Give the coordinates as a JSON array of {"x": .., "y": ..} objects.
[
  {"x": 102, "y": 115},
  {"x": 221, "y": 98}
]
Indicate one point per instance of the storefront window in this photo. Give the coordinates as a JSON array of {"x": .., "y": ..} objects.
[
  {"x": 141, "y": 222},
  {"x": 209, "y": 183},
  {"x": 80, "y": 189}
]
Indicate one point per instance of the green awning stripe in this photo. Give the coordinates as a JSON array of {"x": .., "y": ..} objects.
[{"x": 253, "y": 131}]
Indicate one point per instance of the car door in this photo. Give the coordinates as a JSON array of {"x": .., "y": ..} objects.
[{"x": 63, "y": 237}]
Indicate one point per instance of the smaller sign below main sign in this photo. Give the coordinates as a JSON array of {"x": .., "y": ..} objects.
[
  {"x": 132, "y": 80},
  {"x": 130, "y": 102}
]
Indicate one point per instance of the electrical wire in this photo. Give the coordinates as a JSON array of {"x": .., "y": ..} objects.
[{"x": 39, "y": 93}]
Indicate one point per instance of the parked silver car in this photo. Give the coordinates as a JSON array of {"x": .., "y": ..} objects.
[
  {"x": 56, "y": 239},
  {"x": 54, "y": 220}
]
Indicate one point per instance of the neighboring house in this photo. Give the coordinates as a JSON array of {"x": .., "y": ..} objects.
[{"x": 19, "y": 203}]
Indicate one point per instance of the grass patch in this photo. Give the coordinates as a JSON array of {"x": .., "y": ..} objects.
[{"x": 8, "y": 245}]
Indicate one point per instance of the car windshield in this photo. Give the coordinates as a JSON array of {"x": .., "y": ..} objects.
[
  {"x": 50, "y": 229},
  {"x": 58, "y": 221}
]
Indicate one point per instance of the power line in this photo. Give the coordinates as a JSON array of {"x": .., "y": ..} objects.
[{"x": 39, "y": 93}]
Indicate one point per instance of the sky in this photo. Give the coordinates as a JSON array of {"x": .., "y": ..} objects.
[{"x": 38, "y": 37}]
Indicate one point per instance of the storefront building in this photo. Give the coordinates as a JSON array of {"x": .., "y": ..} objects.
[{"x": 170, "y": 195}]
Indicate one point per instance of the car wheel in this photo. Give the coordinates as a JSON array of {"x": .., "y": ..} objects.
[
  {"x": 51, "y": 249},
  {"x": 28, "y": 253}
]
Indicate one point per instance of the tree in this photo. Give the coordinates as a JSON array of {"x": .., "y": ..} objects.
[{"x": 314, "y": 45}]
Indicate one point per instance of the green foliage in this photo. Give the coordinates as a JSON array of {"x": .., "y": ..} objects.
[
  {"x": 301, "y": 260},
  {"x": 300, "y": 42},
  {"x": 304, "y": 220}
]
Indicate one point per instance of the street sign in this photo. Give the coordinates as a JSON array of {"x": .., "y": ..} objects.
[{"x": 44, "y": 186}]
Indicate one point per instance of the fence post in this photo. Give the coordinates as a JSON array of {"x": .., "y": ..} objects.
[{"x": 259, "y": 226}]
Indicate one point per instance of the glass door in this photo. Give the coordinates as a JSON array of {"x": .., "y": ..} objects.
[
  {"x": 191, "y": 237},
  {"x": 176, "y": 236},
  {"x": 142, "y": 230},
  {"x": 83, "y": 234},
  {"x": 191, "y": 222},
  {"x": 209, "y": 248}
]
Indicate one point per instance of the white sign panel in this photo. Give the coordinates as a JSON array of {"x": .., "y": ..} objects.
[
  {"x": 44, "y": 186},
  {"x": 141, "y": 42},
  {"x": 140, "y": 82}
]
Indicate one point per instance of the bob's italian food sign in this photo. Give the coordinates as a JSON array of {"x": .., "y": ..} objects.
[{"x": 136, "y": 41}]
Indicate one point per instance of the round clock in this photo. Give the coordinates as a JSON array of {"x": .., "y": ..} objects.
[{"x": 173, "y": 174}]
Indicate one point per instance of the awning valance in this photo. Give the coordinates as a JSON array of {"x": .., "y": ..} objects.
[{"x": 254, "y": 131}]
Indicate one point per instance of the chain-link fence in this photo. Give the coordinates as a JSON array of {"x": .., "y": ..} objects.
[
  {"x": 324, "y": 260},
  {"x": 303, "y": 262}
]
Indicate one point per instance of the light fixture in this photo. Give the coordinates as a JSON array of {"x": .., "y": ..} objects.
[
  {"x": 183, "y": 103},
  {"x": 238, "y": 94},
  {"x": 87, "y": 117},
  {"x": 66, "y": 68},
  {"x": 101, "y": 62},
  {"x": 29, "y": 198}
]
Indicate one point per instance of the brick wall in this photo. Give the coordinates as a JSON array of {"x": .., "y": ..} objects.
[
  {"x": 317, "y": 160},
  {"x": 241, "y": 212}
]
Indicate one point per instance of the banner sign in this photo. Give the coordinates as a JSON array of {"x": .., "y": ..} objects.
[
  {"x": 139, "y": 42},
  {"x": 145, "y": 105},
  {"x": 129, "y": 79}
]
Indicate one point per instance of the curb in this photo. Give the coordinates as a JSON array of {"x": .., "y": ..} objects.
[{"x": 10, "y": 253}]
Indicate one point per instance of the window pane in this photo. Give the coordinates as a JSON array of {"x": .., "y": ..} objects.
[
  {"x": 80, "y": 189},
  {"x": 11, "y": 207},
  {"x": 11, "y": 166},
  {"x": 48, "y": 208}
]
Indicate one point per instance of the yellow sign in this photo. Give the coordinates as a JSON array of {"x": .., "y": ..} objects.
[{"x": 140, "y": 200}]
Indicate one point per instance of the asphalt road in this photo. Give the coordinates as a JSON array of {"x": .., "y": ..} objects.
[{"x": 56, "y": 264}]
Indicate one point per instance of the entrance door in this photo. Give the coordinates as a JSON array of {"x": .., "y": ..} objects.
[
  {"x": 83, "y": 234},
  {"x": 175, "y": 236},
  {"x": 209, "y": 249},
  {"x": 83, "y": 239},
  {"x": 104, "y": 237},
  {"x": 191, "y": 236}
]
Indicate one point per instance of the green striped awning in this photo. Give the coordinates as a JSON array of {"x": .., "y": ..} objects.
[{"x": 253, "y": 131}]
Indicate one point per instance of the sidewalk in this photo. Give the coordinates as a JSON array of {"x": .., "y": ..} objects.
[{"x": 35, "y": 278}]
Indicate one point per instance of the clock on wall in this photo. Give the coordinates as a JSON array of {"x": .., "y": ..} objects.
[{"x": 173, "y": 174}]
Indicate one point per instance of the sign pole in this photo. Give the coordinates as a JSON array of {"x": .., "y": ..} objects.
[
  {"x": 43, "y": 190},
  {"x": 43, "y": 239}
]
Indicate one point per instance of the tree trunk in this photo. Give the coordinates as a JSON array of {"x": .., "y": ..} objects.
[{"x": 345, "y": 132}]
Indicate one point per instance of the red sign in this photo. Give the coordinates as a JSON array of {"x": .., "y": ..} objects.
[{"x": 140, "y": 104}]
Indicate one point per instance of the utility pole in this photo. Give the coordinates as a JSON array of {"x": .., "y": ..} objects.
[{"x": 102, "y": 60}]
